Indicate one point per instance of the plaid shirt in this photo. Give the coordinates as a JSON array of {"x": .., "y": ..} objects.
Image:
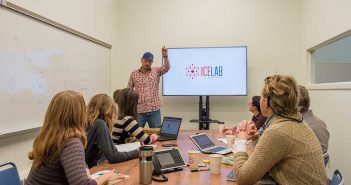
[{"x": 147, "y": 85}]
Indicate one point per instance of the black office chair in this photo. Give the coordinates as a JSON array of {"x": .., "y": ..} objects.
[
  {"x": 337, "y": 178},
  {"x": 9, "y": 174}
]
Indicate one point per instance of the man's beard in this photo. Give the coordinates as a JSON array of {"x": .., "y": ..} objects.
[{"x": 146, "y": 68}]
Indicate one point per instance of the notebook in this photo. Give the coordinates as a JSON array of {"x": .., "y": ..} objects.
[
  {"x": 169, "y": 128},
  {"x": 205, "y": 144},
  {"x": 265, "y": 180},
  {"x": 231, "y": 176}
]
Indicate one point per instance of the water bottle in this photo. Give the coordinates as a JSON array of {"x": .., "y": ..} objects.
[{"x": 145, "y": 164}]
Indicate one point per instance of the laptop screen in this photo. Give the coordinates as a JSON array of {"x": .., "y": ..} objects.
[
  {"x": 203, "y": 141},
  {"x": 170, "y": 126}
]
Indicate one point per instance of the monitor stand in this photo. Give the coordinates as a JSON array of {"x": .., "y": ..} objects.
[{"x": 204, "y": 115}]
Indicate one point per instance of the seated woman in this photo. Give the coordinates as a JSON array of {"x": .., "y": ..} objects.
[
  {"x": 257, "y": 118},
  {"x": 126, "y": 125},
  {"x": 288, "y": 149},
  {"x": 101, "y": 116},
  {"x": 58, "y": 150}
]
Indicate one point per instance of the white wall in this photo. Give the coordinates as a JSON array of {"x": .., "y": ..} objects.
[
  {"x": 270, "y": 29},
  {"x": 276, "y": 32},
  {"x": 323, "y": 20},
  {"x": 94, "y": 18}
]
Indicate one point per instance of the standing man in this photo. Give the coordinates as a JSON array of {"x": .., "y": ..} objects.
[{"x": 145, "y": 81}]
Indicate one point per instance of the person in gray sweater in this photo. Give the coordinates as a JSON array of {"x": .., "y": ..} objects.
[
  {"x": 101, "y": 116},
  {"x": 317, "y": 125}
]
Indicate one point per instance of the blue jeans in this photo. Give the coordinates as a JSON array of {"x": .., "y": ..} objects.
[{"x": 153, "y": 118}]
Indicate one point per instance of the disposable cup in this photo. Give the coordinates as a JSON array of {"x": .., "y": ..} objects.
[
  {"x": 194, "y": 159},
  {"x": 215, "y": 163},
  {"x": 230, "y": 141},
  {"x": 220, "y": 128}
]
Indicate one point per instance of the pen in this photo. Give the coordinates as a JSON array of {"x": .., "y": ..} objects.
[{"x": 199, "y": 169}]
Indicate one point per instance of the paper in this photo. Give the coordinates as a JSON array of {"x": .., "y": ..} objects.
[
  {"x": 224, "y": 140},
  {"x": 99, "y": 173},
  {"x": 120, "y": 178},
  {"x": 127, "y": 147}
]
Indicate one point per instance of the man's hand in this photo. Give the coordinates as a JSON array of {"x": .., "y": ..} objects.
[{"x": 164, "y": 51}]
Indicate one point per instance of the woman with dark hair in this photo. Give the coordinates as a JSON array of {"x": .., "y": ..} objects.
[
  {"x": 58, "y": 150},
  {"x": 288, "y": 149},
  {"x": 255, "y": 108},
  {"x": 257, "y": 118},
  {"x": 101, "y": 116},
  {"x": 126, "y": 125}
]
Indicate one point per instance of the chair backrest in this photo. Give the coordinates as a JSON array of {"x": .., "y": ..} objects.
[
  {"x": 337, "y": 178},
  {"x": 326, "y": 158},
  {"x": 9, "y": 174}
]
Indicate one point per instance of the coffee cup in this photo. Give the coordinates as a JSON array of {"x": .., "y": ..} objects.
[
  {"x": 220, "y": 127},
  {"x": 215, "y": 163},
  {"x": 230, "y": 140},
  {"x": 194, "y": 159}
]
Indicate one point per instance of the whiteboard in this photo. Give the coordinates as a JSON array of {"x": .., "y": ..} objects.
[{"x": 39, "y": 60}]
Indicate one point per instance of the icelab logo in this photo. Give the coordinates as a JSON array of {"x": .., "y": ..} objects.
[{"x": 194, "y": 71}]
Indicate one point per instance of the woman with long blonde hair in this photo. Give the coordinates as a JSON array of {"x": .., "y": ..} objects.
[
  {"x": 58, "y": 150},
  {"x": 101, "y": 116}
]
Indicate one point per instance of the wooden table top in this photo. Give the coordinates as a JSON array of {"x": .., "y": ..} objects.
[{"x": 184, "y": 176}]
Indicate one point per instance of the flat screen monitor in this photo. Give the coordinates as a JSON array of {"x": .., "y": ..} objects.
[{"x": 206, "y": 71}]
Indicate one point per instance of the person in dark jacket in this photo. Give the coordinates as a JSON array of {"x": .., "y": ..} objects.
[{"x": 101, "y": 116}]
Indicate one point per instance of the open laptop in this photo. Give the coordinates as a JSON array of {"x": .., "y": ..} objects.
[
  {"x": 169, "y": 129},
  {"x": 205, "y": 144}
]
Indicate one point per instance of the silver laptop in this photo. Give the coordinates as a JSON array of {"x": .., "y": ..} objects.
[{"x": 205, "y": 144}]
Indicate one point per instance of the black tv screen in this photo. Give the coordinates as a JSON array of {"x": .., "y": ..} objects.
[{"x": 206, "y": 71}]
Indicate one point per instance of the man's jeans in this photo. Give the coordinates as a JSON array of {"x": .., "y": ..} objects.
[{"x": 153, "y": 118}]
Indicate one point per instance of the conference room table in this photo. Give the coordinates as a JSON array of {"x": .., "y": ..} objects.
[{"x": 184, "y": 176}]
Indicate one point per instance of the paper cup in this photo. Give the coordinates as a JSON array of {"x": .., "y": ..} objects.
[
  {"x": 220, "y": 128},
  {"x": 194, "y": 159},
  {"x": 230, "y": 141},
  {"x": 215, "y": 163}
]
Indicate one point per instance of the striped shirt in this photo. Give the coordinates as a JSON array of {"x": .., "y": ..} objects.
[
  {"x": 147, "y": 85},
  {"x": 125, "y": 127},
  {"x": 70, "y": 168}
]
